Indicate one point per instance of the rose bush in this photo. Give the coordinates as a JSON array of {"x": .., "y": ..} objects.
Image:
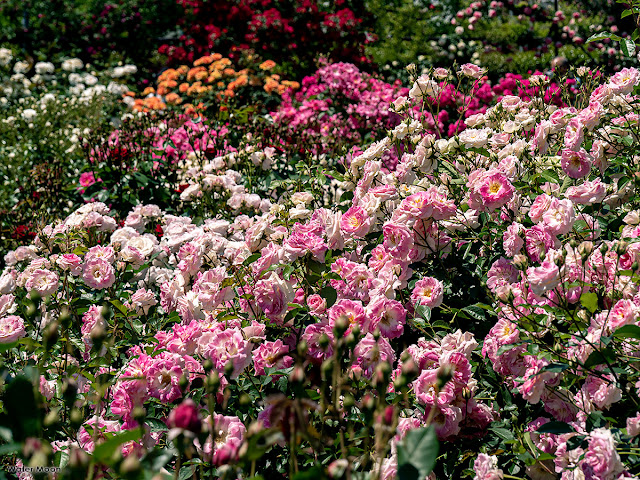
[{"x": 479, "y": 294}]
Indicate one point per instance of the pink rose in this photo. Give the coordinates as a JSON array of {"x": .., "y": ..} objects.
[
  {"x": 559, "y": 217},
  {"x": 587, "y": 193},
  {"x": 317, "y": 304},
  {"x": 11, "y": 329},
  {"x": 43, "y": 281},
  {"x": 70, "y": 262},
  {"x": 386, "y": 315},
  {"x": 87, "y": 179},
  {"x": 471, "y": 70},
  {"x": 186, "y": 416},
  {"x": 624, "y": 81},
  {"x": 574, "y": 134},
  {"x": 356, "y": 221},
  {"x": 576, "y": 164},
  {"x": 398, "y": 240},
  {"x": 271, "y": 354},
  {"x": 496, "y": 191},
  {"x": 601, "y": 457},
  {"x": 428, "y": 291},
  {"x": 98, "y": 274},
  {"x": 486, "y": 467},
  {"x": 544, "y": 278}
]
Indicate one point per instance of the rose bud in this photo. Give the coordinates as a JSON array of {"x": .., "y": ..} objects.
[{"x": 186, "y": 416}]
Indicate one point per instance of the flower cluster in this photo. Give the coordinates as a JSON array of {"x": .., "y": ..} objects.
[{"x": 212, "y": 80}]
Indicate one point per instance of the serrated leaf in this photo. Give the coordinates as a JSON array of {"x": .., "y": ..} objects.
[
  {"x": 417, "y": 453},
  {"x": 557, "y": 428},
  {"x": 555, "y": 367},
  {"x": 598, "y": 36},
  {"x": 628, "y": 331},
  {"x": 329, "y": 294},
  {"x": 7, "y": 346},
  {"x": 156, "y": 425},
  {"x": 598, "y": 357},
  {"x": 628, "y": 47},
  {"x": 474, "y": 312},
  {"x": 105, "y": 450},
  {"x": 503, "y": 433},
  {"x": 589, "y": 300}
]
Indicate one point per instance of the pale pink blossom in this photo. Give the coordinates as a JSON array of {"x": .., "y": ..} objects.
[{"x": 11, "y": 329}]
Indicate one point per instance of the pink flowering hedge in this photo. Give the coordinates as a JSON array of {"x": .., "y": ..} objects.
[
  {"x": 469, "y": 311},
  {"x": 341, "y": 107}
]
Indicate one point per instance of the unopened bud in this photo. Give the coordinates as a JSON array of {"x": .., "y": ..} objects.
[
  {"x": 466, "y": 393},
  {"x": 207, "y": 365},
  {"x": 52, "y": 418},
  {"x": 50, "y": 335},
  {"x": 341, "y": 325},
  {"x": 323, "y": 341},
  {"x": 139, "y": 414},
  {"x": 76, "y": 417},
  {"x": 228, "y": 369},
  {"x": 303, "y": 348},
  {"x": 213, "y": 381},
  {"x": 444, "y": 374},
  {"x": 348, "y": 400},
  {"x": 130, "y": 465},
  {"x": 381, "y": 374},
  {"x": 183, "y": 383},
  {"x": 297, "y": 374}
]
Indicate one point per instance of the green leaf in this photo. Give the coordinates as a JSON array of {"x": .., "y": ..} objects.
[
  {"x": 313, "y": 474},
  {"x": 423, "y": 312},
  {"x": 595, "y": 420},
  {"x": 555, "y": 367},
  {"x": 329, "y": 294},
  {"x": 187, "y": 472},
  {"x": 287, "y": 271},
  {"x": 598, "y": 36},
  {"x": 503, "y": 433},
  {"x": 628, "y": 47},
  {"x": 474, "y": 312},
  {"x": 7, "y": 346},
  {"x": 417, "y": 453},
  {"x": 557, "y": 428},
  {"x": 628, "y": 331},
  {"x": 121, "y": 308},
  {"x": 105, "y": 450},
  {"x": 250, "y": 259},
  {"x": 156, "y": 425},
  {"x": 589, "y": 300},
  {"x": 10, "y": 448},
  {"x": 598, "y": 357}
]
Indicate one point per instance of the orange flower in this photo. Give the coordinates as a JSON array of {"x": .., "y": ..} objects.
[
  {"x": 267, "y": 65},
  {"x": 193, "y": 72},
  {"x": 215, "y": 75},
  {"x": 183, "y": 87},
  {"x": 229, "y": 71},
  {"x": 207, "y": 59},
  {"x": 173, "y": 99},
  {"x": 148, "y": 91},
  {"x": 216, "y": 56},
  {"x": 270, "y": 85}
]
